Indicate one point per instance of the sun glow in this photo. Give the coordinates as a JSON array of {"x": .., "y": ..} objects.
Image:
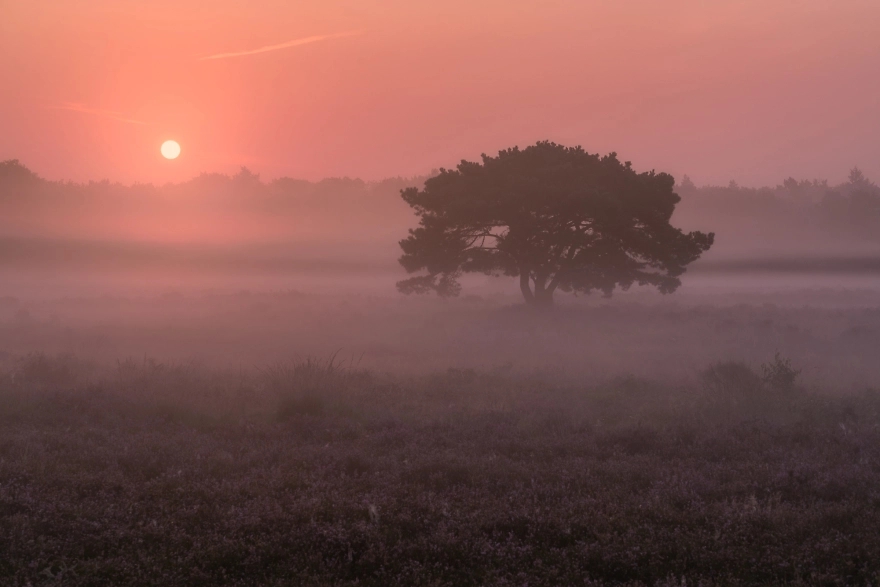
[{"x": 170, "y": 149}]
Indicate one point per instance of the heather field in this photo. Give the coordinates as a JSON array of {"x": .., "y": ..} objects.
[
  {"x": 321, "y": 472},
  {"x": 377, "y": 293}
]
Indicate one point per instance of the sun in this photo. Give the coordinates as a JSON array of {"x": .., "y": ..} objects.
[{"x": 170, "y": 149}]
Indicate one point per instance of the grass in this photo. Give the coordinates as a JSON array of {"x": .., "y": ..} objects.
[{"x": 318, "y": 473}]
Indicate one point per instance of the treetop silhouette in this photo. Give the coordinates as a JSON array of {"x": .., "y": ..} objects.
[{"x": 556, "y": 217}]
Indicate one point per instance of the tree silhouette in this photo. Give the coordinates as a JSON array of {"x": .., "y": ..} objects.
[
  {"x": 857, "y": 178},
  {"x": 556, "y": 217}
]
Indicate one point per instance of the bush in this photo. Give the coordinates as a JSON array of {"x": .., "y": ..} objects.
[
  {"x": 779, "y": 375},
  {"x": 303, "y": 387},
  {"x": 44, "y": 372}
]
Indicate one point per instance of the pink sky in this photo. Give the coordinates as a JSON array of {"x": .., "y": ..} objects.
[{"x": 755, "y": 90}]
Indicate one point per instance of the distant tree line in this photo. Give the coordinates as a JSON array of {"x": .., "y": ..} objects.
[
  {"x": 343, "y": 208},
  {"x": 814, "y": 208},
  {"x": 279, "y": 209}
]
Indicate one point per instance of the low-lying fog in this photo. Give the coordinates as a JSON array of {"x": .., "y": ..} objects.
[
  {"x": 828, "y": 326},
  {"x": 88, "y": 270}
]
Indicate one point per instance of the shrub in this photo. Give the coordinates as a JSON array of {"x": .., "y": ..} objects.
[
  {"x": 40, "y": 371},
  {"x": 779, "y": 375},
  {"x": 303, "y": 387}
]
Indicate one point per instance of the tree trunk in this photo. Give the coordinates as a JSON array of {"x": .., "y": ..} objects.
[
  {"x": 524, "y": 287},
  {"x": 541, "y": 296}
]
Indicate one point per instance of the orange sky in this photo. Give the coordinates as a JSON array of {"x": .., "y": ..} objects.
[{"x": 755, "y": 90}]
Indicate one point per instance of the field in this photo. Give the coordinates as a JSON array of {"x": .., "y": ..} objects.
[
  {"x": 216, "y": 439},
  {"x": 649, "y": 235}
]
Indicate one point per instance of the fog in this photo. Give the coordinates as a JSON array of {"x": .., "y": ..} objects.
[
  {"x": 329, "y": 293},
  {"x": 218, "y": 382},
  {"x": 243, "y": 223},
  {"x": 243, "y": 271}
]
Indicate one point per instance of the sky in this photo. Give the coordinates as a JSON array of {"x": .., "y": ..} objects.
[{"x": 751, "y": 90}]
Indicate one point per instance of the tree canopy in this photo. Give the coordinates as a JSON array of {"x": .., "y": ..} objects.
[{"x": 556, "y": 217}]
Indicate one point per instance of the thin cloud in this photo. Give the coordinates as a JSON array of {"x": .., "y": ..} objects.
[
  {"x": 293, "y": 43},
  {"x": 76, "y": 107}
]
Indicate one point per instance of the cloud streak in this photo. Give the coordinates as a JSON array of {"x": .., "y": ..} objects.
[
  {"x": 77, "y": 107},
  {"x": 286, "y": 45}
]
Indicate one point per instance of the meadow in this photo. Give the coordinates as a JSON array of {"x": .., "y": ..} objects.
[
  {"x": 224, "y": 439},
  {"x": 215, "y": 218}
]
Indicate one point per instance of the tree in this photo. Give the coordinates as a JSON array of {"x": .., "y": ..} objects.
[
  {"x": 857, "y": 178},
  {"x": 556, "y": 217},
  {"x": 687, "y": 185}
]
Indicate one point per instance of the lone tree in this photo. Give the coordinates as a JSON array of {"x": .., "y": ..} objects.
[{"x": 556, "y": 217}]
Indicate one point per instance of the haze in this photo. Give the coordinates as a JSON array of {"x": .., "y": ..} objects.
[
  {"x": 750, "y": 90},
  {"x": 651, "y": 359}
]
